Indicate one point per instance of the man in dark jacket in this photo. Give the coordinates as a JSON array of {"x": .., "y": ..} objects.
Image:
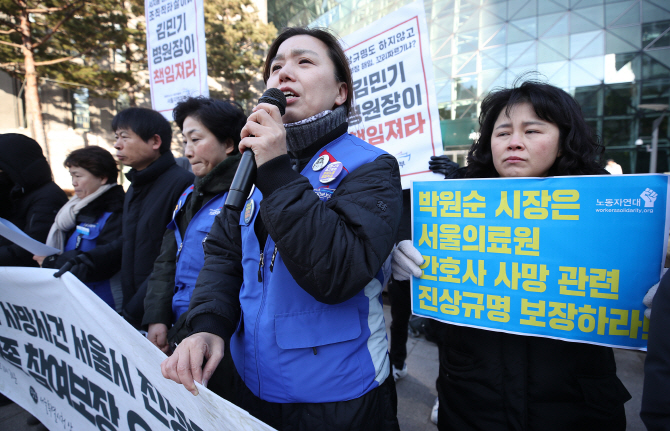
[
  {"x": 30, "y": 199},
  {"x": 143, "y": 140}
]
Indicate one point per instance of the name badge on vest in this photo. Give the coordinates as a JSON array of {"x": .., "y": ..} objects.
[
  {"x": 331, "y": 172},
  {"x": 83, "y": 230},
  {"x": 320, "y": 163},
  {"x": 248, "y": 211}
]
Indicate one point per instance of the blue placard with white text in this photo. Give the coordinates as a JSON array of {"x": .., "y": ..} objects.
[{"x": 564, "y": 257}]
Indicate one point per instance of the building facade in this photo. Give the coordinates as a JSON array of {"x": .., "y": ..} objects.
[{"x": 612, "y": 56}]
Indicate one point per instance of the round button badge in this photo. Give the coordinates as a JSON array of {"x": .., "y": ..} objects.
[
  {"x": 320, "y": 163},
  {"x": 331, "y": 172}
]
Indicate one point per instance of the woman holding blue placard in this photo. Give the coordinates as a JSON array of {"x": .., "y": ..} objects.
[{"x": 496, "y": 381}]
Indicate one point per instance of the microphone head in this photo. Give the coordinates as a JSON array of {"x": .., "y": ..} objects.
[{"x": 274, "y": 96}]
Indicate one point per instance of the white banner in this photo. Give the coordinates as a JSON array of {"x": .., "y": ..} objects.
[
  {"x": 75, "y": 364},
  {"x": 176, "y": 52},
  {"x": 395, "y": 106}
]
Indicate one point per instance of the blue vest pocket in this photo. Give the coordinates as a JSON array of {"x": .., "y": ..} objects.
[{"x": 317, "y": 328}]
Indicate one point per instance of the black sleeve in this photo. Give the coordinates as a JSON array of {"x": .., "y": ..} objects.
[
  {"x": 38, "y": 220},
  {"x": 106, "y": 256},
  {"x": 215, "y": 303},
  {"x": 333, "y": 249},
  {"x": 160, "y": 287},
  {"x": 655, "y": 396}
]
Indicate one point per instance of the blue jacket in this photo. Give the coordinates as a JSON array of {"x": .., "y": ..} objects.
[
  {"x": 190, "y": 254},
  {"x": 293, "y": 344}
]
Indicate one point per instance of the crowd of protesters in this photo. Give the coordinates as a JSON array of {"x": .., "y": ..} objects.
[{"x": 278, "y": 307}]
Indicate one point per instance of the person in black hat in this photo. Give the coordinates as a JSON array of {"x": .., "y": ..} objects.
[{"x": 30, "y": 199}]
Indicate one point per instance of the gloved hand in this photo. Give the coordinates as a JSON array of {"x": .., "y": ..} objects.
[
  {"x": 79, "y": 266},
  {"x": 406, "y": 261},
  {"x": 442, "y": 165}
]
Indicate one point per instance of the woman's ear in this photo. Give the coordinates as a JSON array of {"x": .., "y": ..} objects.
[
  {"x": 230, "y": 146},
  {"x": 341, "y": 94}
]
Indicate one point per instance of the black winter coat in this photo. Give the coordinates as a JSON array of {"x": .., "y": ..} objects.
[
  {"x": 160, "y": 290},
  {"x": 492, "y": 381},
  {"x": 312, "y": 236},
  {"x": 147, "y": 210},
  {"x": 655, "y": 412},
  {"x": 28, "y": 197},
  {"x": 110, "y": 201}
]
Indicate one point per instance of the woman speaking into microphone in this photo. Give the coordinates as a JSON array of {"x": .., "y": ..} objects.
[{"x": 294, "y": 279}]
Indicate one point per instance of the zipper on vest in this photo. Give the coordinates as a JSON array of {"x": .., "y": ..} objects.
[
  {"x": 272, "y": 261},
  {"x": 260, "y": 269}
]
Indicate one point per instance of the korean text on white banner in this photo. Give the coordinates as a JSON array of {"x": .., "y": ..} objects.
[
  {"x": 394, "y": 105},
  {"x": 75, "y": 364},
  {"x": 176, "y": 52}
]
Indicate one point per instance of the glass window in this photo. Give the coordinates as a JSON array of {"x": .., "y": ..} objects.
[
  {"x": 587, "y": 71},
  {"x": 595, "y": 14},
  {"x": 630, "y": 16},
  {"x": 466, "y": 111},
  {"x": 80, "y": 109},
  {"x": 467, "y": 42},
  {"x": 652, "y": 30},
  {"x": 655, "y": 91},
  {"x": 589, "y": 100},
  {"x": 613, "y": 11},
  {"x": 494, "y": 58},
  {"x": 617, "y": 45},
  {"x": 492, "y": 35},
  {"x": 647, "y": 126},
  {"x": 559, "y": 28},
  {"x": 580, "y": 41},
  {"x": 579, "y": 24},
  {"x": 465, "y": 63},
  {"x": 466, "y": 87},
  {"x": 617, "y": 132},
  {"x": 515, "y": 50},
  {"x": 620, "y": 99},
  {"x": 653, "y": 69}
]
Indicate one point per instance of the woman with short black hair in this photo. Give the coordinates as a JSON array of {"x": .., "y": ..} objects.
[
  {"x": 211, "y": 133},
  {"x": 91, "y": 218},
  {"x": 295, "y": 279}
]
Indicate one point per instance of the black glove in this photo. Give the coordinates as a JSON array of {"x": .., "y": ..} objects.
[
  {"x": 79, "y": 266},
  {"x": 442, "y": 165}
]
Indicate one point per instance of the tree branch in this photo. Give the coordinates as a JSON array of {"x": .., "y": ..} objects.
[
  {"x": 48, "y": 10},
  {"x": 57, "y": 26},
  {"x": 15, "y": 45},
  {"x": 8, "y": 31},
  {"x": 64, "y": 59}
]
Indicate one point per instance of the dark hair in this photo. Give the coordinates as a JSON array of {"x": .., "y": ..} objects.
[
  {"x": 145, "y": 123},
  {"x": 579, "y": 148},
  {"x": 223, "y": 118},
  {"x": 335, "y": 52},
  {"x": 96, "y": 160}
]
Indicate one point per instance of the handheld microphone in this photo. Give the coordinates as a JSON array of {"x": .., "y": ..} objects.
[{"x": 246, "y": 171}]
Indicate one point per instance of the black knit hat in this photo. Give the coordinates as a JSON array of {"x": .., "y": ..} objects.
[{"x": 21, "y": 157}]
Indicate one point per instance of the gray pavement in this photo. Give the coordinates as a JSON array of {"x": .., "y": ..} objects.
[{"x": 416, "y": 392}]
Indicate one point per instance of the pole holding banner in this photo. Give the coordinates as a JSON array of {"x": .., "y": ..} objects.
[{"x": 176, "y": 52}]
